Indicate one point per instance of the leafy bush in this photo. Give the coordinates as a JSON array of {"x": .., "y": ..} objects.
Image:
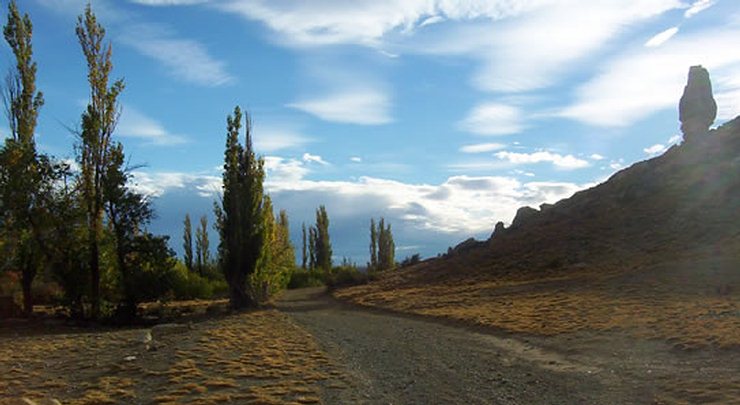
[
  {"x": 305, "y": 278},
  {"x": 346, "y": 276},
  {"x": 189, "y": 285}
]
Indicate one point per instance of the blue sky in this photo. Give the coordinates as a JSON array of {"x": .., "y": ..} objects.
[{"x": 442, "y": 116}]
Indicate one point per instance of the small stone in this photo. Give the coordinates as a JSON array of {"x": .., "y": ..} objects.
[{"x": 129, "y": 358}]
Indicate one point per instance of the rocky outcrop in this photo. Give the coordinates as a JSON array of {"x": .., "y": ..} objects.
[
  {"x": 523, "y": 215},
  {"x": 697, "y": 108},
  {"x": 498, "y": 229}
]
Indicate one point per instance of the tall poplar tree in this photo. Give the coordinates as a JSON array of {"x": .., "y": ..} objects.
[
  {"x": 373, "y": 245},
  {"x": 98, "y": 123},
  {"x": 202, "y": 246},
  {"x": 187, "y": 242},
  {"x": 23, "y": 173},
  {"x": 323, "y": 242},
  {"x": 239, "y": 216},
  {"x": 304, "y": 250}
]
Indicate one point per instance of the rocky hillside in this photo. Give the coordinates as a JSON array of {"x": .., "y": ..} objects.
[{"x": 685, "y": 202}]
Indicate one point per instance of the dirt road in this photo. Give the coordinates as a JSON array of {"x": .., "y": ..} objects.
[{"x": 397, "y": 359}]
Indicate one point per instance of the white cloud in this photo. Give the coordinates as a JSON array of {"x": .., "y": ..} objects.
[
  {"x": 135, "y": 124},
  {"x": 655, "y": 150},
  {"x": 728, "y": 103},
  {"x": 155, "y": 184},
  {"x": 493, "y": 119},
  {"x": 363, "y": 22},
  {"x": 482, "y": 147},
  {"x": 534, "y": 49},
  {"x": 661, "y": 37},
  {"x": 559, "y": 161},
  {"x": 309, "y": 158},
  {"x": 356, "y": 159},
  {"x": 168, "y": 2},
  {"x": 636, "y": 84},
  {"x": 697, "y": 7},
  {"x": 271, "y": 139},
  {"x": 353, "y": 106},
  {"x": 184, "y": 59},
  {"x": 596, "y": 156}
]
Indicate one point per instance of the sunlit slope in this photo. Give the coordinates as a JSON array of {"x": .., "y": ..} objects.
[{"x": 654, "y": 250}]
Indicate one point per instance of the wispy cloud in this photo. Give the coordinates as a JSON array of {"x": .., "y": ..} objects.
[
  {"x": 482, "y": 147},
  {"x": 493, "y": 119},
  {"x": 309, "y": 158},
  {"x": 352, "y": 106},
  {"x": 168, "y": 2},
  {"x": 635, "y": 84},
  {"x": 185, "y": 59},
  {"x": 596, "y": 156},
  {"x": 567, "y": 162},
  {"x": 135, "y": 124},
  {"x": 697, "y": 7},
  {"x": 661, "y": 37},
  {"x": 270, "y": 139}
]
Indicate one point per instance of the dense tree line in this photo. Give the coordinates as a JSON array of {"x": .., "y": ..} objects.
[{"x": 85, "y": 230}]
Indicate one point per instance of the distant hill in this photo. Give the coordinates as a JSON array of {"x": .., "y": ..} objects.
[{"x": 655, "y": 251}]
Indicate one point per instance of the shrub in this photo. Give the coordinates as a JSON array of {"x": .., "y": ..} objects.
[
  {"x": 346, "y": 276},
  {"x": 305, "y": 278},
  {"x": 189, "y": 285}
]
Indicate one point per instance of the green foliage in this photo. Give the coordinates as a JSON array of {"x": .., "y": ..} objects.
[
  {"x": 190, "y": 285},
  {"x": 202, "y": 247},
  {"x": 277, "y": 262},
  {"x": 382, "y": 246},
  {"x": 320, "y": 246},
  {"x": 411, "y": 260},
  {"x": 240, "y": 217},
  {"x": 187, "y": 242},
  {"x": 98, "y": 122},
  {"x": 305, "y": 278},
  {"x": 26, "y": 177},
  {"x": 346, "y": 276}
]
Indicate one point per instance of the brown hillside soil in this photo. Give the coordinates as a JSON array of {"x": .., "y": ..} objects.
[
  {"x": 652, "y": 256},
  {"x": 258, "y": 357},
  {"x": 676, "y": 325}
]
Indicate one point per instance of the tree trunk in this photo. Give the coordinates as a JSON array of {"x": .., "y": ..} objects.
[
  {"x": 26, "y": 281},
  {"x": 94, "y": 273},
  {"x": 238, "y": 294}
]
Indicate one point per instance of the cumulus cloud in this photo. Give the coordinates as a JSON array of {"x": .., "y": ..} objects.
[
  {"x": 352, "y": 106},
  {"x": 493, "y": 119},
  {"x": 136, "y": 124},
  {"x": 567, "y": 162}
]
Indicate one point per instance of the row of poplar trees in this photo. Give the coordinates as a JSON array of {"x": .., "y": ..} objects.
[
  {"x": 58, "y": 220},
  {"x": 200, "y": 262},
  {"x": 316, "y": 253},
  {"x": 382, "y": 247}
]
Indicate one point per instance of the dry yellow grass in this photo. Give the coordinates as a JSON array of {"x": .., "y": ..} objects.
[
  {"x": 254, "y": 358},
  {"x": 643, "y": 302}
]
